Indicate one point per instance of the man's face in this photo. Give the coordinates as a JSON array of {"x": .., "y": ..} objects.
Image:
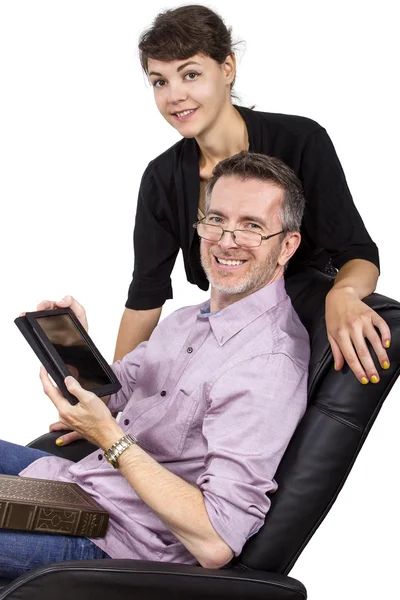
[{"x": 250, "y": 205}]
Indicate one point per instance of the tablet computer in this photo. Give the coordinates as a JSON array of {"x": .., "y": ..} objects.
[{"x": 65, "y": 348}]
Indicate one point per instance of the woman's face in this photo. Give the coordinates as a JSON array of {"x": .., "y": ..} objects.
[{"x": 191, "y": 94}]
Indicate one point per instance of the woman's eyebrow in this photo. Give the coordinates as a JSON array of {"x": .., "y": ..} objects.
[{"x": 186, "y": 64}]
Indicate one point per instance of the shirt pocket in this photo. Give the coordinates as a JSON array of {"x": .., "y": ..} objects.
[{"x": 162, "y": 430}]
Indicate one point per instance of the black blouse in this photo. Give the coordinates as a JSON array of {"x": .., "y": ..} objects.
[{"x": 332, "y": 231}]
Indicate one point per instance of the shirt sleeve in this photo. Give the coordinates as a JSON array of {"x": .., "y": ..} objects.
[
  {"x": 127, "y": 371},
  {"x": 156, "y": 245},
  {"x": 331, "y": 219},
  {"x": 253, "y": 411}
]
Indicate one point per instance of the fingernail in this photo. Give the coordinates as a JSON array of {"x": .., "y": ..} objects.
[
  {"x": 334, "y": 366},
  {"x": 385, "y": 364},
  {"x": 59, "y": 442},
  {"x": 374, "y": 379},
  {"x": 61, "y": 302},
  {"x": 387, "y": 343},
  {"x": 364, "y": 381}
]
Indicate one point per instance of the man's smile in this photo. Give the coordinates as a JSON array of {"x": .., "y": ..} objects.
[{"x": 228, "y": 263}]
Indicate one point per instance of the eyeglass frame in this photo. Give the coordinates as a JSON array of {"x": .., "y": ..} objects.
[{"x": 232, "y": 231}]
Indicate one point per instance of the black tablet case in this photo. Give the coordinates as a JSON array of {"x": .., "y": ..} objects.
[{"x": 48, "y": 361}]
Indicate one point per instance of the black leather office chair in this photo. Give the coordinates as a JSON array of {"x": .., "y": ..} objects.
[{"x": 315, "y": 466}]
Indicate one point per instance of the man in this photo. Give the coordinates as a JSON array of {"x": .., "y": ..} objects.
[{"x": 212, "y": 398}]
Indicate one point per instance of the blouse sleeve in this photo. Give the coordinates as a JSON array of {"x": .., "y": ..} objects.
[
  {"x": 331, "y": 219},
  {"x": 156, "y": 245}
]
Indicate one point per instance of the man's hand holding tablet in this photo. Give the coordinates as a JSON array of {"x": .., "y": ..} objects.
[{"x": 57, "y": 333}]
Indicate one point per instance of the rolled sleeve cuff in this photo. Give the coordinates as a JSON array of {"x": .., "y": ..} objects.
[
  {"x": 245, "y": 525},
  {"x": 369, "y": 253},
  {"x": 143, "y": 297}
]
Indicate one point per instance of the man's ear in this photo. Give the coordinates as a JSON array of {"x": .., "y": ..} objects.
[{"x": 289, "y": 247}]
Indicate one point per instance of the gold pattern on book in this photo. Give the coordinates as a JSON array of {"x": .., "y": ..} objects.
[
  {"x": 62, "y": 521},
  {"x": 50, "y": 491},
  {"x": 88, "y": 525}
]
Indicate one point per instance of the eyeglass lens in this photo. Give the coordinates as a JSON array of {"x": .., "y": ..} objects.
[{"x": 214, "y": 233}]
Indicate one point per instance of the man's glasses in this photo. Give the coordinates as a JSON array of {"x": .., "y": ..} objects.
[{"x": 242, "y": 237}]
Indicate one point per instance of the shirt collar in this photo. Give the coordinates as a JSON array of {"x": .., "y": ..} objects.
[
  {"x": 232, "y": 319},
  {"x": 205, "y": 311}
]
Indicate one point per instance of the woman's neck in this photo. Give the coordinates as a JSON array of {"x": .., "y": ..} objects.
[{"x": 227, "y": 137}]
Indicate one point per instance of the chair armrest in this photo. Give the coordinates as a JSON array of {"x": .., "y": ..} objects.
[
  {"x": 74, "y": 451},
  {"x": 143, "y": 580}
]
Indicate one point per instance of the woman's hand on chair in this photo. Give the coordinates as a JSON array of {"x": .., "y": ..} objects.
[
  {"x": 350, "y": 323},
  {"x": 67, "y": 438}
]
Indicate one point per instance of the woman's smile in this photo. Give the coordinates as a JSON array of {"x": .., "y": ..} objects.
[{"x": 184, "y": 115}]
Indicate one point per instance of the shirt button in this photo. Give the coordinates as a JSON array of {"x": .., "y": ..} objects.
[
  {"x": 163, "y": 393},
  {"x": 126, "y": 422},
  {"x": 189, "y": 350},
  {"x": 100, "y": 456}
]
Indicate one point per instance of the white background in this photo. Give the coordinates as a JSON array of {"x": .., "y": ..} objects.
[{"x": 77, "y": 128}]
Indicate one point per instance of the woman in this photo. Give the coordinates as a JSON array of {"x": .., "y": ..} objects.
[{"x": 188, "y": 57}]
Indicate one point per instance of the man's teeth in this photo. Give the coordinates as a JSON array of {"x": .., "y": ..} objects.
[
  {"x": 184, "y": 113},
  {"x": 231, "y": 263}
]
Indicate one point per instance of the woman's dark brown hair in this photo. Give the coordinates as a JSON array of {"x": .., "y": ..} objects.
[{"x": 182, "y": 32}]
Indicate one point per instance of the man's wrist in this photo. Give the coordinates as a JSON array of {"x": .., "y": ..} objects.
[
  {"x": 118, "y": 448},
  {"x": 109, "y": 435}
]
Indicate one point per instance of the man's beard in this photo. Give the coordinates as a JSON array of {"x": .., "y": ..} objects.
[{"x": 258, "y": 276}]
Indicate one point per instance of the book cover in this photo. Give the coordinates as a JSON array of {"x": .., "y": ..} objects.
[{"x": 49, "y": 506}]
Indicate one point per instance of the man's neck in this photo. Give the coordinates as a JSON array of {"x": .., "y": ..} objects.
[{"x": 220, "y": 300}]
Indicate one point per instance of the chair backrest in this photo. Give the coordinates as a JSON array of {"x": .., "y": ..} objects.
[{"x": 326, "y": 443}]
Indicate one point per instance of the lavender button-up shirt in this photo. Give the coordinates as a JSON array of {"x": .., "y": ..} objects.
[{"x": 215, "y": 399}]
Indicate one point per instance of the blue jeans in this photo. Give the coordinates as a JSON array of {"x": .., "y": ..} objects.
[{"x": 21, "y": 551}]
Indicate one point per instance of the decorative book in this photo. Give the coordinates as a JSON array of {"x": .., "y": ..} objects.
[{"x": 50, "y": 507}]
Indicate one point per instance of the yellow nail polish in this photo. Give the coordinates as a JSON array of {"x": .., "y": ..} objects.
[
  {"x": 59, "y": 442},
  {"x": 385, "y": 364},
  {"x": 374, "y": 379},
  {"x": 334, "y": 366},
  {"x": 364, "y": 381},
  {"x": 387, "y": 343}
]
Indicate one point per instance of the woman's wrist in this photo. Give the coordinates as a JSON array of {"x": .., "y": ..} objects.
[
  {"x": 357, "y": 277},
  {"x": 342, "y": 288}
]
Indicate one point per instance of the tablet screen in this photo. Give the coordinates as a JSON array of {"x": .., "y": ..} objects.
[{"x": 81, "y": 362}]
